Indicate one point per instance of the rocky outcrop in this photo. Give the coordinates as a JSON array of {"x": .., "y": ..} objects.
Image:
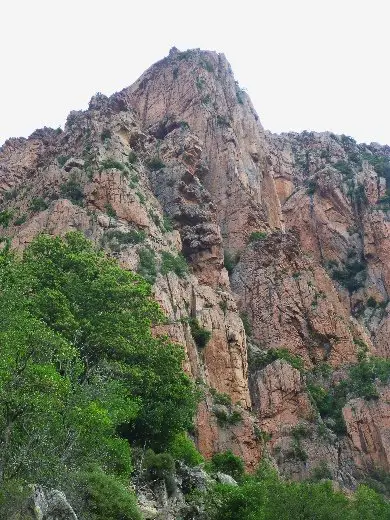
[
  {"x": 50, "y": 504},
  {"x": 291, "y": 302},
  {"x": 368, "y": 426},
  {"x": 178, "y": 163}
]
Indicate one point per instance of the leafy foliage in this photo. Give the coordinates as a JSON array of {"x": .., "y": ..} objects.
[
  {"x": 361, "y": 382},
  {"x": 112, "y": 164},
  {"x": 227, "y": 462},
  {"x": 38, "y": 204},
  {"x": 201, "y": 335},
  {"x": 73, "y": 191},
  {"x": 266, "y": 497},
  {"x": 79, "y": 364},
  {"x": 101, "y": 497},
  {"x": 5, "y": 218},
  {"x": 182, "y": 448},
  {"x": 147, "y": 266},
  {"x": 260, "y": 360},
  {"x": 110, "y": 210},
  {"x": 155, "y": 163},
  {"x": 255, "y": 236},
  {"x": 177, "y": 264}
]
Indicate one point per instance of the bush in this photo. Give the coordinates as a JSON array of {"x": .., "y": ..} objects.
[
  {"x": 62, "y": 160},
  {"x": 11, "y": 194},
  {"x": 270, "y": 498},
  {"x": 246, "y": 323},
  {"x": 230, "y": 261},
  {"x": 78, "y": 353},
  {"x": 177, "y": 264},
  {"x": 110, "y": 210},
  {"x": 158, "y": 465},
  {"x": 104, "y": 498},
  {"x": 168, "y": 224},
  {"x": 132, "y": 157},
  {"x": 112, "y": 164},
  {"x": 311, "y": 187},
  {"x": 73, "y": 191},
  {"x": 201, "y": 335},
  {"x": 344, "y": 168},
  {"x": 106, "y": 134},
  {"x": 6, "y": 217},
  {"x": 182, "y": 448},
  {"x": 228, "y": 463},
  {"x": 155, "y": 164},
  {"x": 255, "y": 236},
  {"x": 147, "y": 266},
  {"x": 38, "y": 204},
  {"x": 126, "y": 237},
  {"x": 221, "y": 398},
  {"x": 260, "y": 360},
  {"x": 352, "y": 276},
  {"x": 20, "y": 220},
  {"x": 321, "y": 472}
]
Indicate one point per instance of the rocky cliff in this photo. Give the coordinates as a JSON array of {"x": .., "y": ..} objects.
[{"x": 287, "y": 242}]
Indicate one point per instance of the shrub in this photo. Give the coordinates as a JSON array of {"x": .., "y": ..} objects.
[
  {"x": 260, "y": 360},
  {"x": 147, "y": 266},
  {"x": 38, "y": 204},
  {"x": 201, "y": 335},
  {"x": 225, "y": 417},
  {"x": 6, "y": 217},
  {"x": 255, "y": 236},
  {"x": 141, "y": 197},
  {"x": 20, "y": 220},
  {"x": 78, "y": 353},
  {"x": 227, "y": 462},
  {"x": 73, "y": 191},
  {"x": 246, "y": 323},
  {"x": 321, "y": 472},
  {"x": 352, "y": 276},
  {"x": 167, "y": 224},
  {"x": 344, "y": 168},
  {"x": 106, "y": 134},
  {"x": 158, "y": 465},
  {"x": 182, "y": 448},
  {"x": 105, "y": 498},
  {"x": 206, "y": 65},
  {"x": 112, "y": 164},
  {"x": 126, "y": 237},
  {"x": 222, "y": 121},
  {"x": 110, "y": 210},
  {"x": 311, "y": 187},
  {"x": 155, "y": 164},
  {"x": 371, "y": 302},
  {"x": 177, "y": 264},
  {"x": 230, "y": 261},
  {"x": 62, "y": 160},
  {"x": 10, "y": 194},
  {"x": 221, "y": 398},
  {"x": 132, "y": 157}
]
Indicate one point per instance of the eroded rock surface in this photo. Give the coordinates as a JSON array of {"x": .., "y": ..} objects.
[{"x": 285, "y": 234}]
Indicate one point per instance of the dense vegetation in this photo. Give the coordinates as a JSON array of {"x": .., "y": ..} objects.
[
  {"x": 267, "y": 497},
  {"x": 81, "y": 373},
  {"x": 84, "y": 383}
]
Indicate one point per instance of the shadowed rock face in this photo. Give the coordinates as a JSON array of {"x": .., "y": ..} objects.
[{"x": 299, "y": 220}]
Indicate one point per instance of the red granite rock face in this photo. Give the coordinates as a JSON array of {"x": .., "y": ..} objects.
[{"x": 300, "y": 221}]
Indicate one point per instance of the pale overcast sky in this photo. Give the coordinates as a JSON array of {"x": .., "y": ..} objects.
[{"x": 307, "y": 64}]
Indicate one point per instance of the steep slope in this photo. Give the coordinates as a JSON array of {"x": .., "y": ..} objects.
[{"x": 179, "y": 163}]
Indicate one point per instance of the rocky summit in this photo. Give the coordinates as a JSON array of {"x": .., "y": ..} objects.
[{"x": 268, "y": 254}]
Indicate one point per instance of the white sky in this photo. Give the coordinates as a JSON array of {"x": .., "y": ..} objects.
[{"x": 307, "y": 64}]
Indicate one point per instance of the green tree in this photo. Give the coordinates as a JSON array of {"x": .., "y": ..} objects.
[{"x": 80, "y": 370}]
